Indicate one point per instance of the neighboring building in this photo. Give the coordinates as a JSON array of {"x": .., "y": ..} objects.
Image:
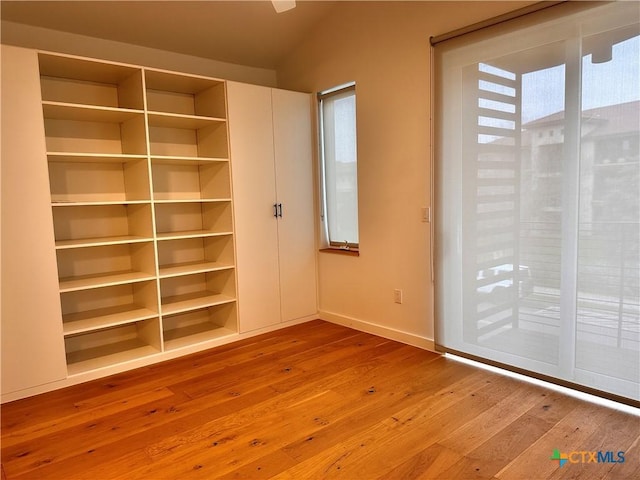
[{"x": 609, "y": 155}]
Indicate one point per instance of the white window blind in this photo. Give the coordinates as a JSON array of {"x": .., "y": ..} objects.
[
  {"x": 340, "y": 165},
  {"x": 538, "y": 198}
]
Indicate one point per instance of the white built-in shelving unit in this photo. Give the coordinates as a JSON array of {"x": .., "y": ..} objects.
[{"x": 141, "y": 198}]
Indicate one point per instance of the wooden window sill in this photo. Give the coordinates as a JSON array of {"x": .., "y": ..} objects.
[{"x": 341, "y": 251}]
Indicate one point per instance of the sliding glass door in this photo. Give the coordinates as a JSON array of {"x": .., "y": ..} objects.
[{"x": 538, "y": 199}]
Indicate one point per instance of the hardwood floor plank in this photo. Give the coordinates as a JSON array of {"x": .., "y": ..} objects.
[
  {"x": 314, "y": 400},
  {"x": 426, "y": 464},
  {"x": 490, "y": 457},
  {"x": 98, "y": 435},
  {"x": 632, "y": 468},
  {"x": 553, "y": 406},
  {"x": 16, "y": 436},
  {"x": 265, "y": 467},
  {"x": 506, "y": 411}
]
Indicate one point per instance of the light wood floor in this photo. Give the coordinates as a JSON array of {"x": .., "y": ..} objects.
[{"x": 314, "y": 401}]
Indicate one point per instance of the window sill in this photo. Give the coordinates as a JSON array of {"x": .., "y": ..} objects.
[{"x": 341, "y": 251}]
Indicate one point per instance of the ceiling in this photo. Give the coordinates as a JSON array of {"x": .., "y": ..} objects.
[{"x": 242, "y": 32}]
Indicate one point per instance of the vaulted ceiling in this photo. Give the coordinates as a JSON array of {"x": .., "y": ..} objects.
[{"x": 242, "y": 32}]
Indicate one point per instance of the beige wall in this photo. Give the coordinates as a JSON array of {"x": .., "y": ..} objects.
[
  {"x": 62, "y": 42},
  {"x": 384, "y": 48}
]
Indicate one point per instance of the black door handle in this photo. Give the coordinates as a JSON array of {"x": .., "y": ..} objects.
[{"x": 280, "y": 210}]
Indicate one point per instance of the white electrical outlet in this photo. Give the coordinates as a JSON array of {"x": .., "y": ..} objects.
[
  {"x": 397, "y": 296},
  {"x": 426, "y": 214}
]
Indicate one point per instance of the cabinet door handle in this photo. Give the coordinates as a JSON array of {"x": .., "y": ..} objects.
[
  {"x": 280, "y": 210},
  {"x": 275, "y": 210}
]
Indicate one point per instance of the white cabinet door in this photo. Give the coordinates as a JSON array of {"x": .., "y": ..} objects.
[
  {"x": 32, "y": 340},
  {"x": 294, "y": 186},
  {"x": 251, "y": 141},
  {"x": 270, "y": 137}
]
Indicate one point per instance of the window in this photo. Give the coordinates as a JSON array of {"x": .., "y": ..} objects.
[
  {"x": 538, "y": 234},
  {"x": 337, "y": 109}
]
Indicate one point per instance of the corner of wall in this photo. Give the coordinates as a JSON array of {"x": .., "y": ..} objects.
[{"x": 380, "y": 330}]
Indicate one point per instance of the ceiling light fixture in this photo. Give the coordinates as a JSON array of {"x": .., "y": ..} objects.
[{"x": 283, "y": 5}]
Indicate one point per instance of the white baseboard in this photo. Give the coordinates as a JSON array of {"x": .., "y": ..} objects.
[{"x": 382, "y": 331}]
